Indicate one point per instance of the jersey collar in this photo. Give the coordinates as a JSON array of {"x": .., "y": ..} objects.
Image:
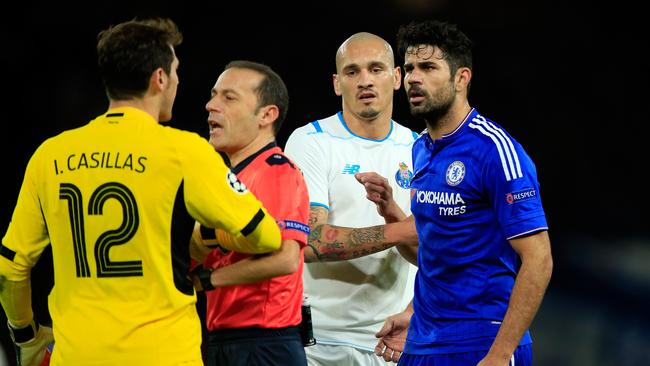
[
  {"x": 129, "y": 113},
  {"x": 345, "y": 125},
  {"x": 430, "y": 145},
  {"x": 237, "y": 169},
  {"x": 458, "y": 130}
]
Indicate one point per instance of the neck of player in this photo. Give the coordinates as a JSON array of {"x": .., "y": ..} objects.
[
  {"x": 254, "y": 146},
  {"x": 376, "y": 128},
  {"x": 450, "y": 121}
]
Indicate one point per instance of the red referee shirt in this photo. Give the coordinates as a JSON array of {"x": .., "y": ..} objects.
[{"x": 274, "y": 303}]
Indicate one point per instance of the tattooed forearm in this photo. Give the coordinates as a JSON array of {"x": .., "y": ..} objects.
[
  {"x": 316, "y": 215},
  {"x": 315, "y": 233},
  {"x": 333, "y": 243},
  {"x": 374, "y": 249},
  {"x": 374, "y": 234},
  {"x": 309, "y": 257},
  {"x": 325, "y": 247}
]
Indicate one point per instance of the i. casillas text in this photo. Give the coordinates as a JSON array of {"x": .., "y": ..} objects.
[{"x": 103, "y": 159}]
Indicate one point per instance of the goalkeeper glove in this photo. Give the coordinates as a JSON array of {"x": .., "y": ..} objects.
[{"x": 30, "y": 343}]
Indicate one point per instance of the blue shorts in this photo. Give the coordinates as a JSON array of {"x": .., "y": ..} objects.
[{"x": 523, "y": 356}]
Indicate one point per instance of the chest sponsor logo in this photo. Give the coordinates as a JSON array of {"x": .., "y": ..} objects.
[
  {"x": 351, "y": 169},
  {"x": 449, "y": 203},
  {"x": 403, "y": 176},
  {"x": 455, "y": 173},
  {"x": 519, "y": 196}
]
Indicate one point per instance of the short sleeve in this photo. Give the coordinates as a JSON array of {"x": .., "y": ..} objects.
[
  {"x": 511, "y": 182},
  {"x": 284, "y": 193},
  {"x": 303, "y": 148}
]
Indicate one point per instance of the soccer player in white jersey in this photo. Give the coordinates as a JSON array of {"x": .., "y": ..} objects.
[{"x": 352, "y": 281}]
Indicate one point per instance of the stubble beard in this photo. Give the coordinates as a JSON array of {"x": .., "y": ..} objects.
[
  {"x": 369, "y": 113},
  {"x": 433, "y": 111}
]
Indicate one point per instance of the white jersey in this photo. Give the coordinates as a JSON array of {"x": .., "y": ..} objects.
[{"x": 350, "y": 300}]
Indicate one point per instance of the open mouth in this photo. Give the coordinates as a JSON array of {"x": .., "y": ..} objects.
[
  {"x": 214, "y": 126},
  {"x": 416, "y": 96}
]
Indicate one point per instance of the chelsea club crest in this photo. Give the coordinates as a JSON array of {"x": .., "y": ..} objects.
[
  {"x": 455, "y": 173},
  {"x": 403, "y": 176}
]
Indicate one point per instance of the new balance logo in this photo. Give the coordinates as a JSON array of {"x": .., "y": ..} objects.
[{"x": 351, "y": 169}]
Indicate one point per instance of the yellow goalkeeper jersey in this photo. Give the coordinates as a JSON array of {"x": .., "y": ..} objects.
[{"x": 117, "y": 199}]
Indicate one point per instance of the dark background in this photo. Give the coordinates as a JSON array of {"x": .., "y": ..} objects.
[{"x": 565, "y": 78}]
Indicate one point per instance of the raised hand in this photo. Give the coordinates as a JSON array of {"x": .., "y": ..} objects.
[{"x": 381, "y": 193}]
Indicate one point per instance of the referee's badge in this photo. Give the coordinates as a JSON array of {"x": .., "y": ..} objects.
[
  {"x": 403, "y": 176},
  {"x": 455, "y": 173},
  {"x": 235, "y": 183}
]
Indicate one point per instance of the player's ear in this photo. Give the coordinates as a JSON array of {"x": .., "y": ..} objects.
[
  {"x": 337, "y": 85},
  {"x": 463, "y": 77},
  {"x": 158, "y": 80},
  {"x": 269, "y": 114},
  {"x": 397, "y": 78}
]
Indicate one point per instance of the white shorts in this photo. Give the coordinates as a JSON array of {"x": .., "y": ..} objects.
[{"x": 329, "y": 355}]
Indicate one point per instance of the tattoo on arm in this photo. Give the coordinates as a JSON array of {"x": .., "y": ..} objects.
[
  {"x": 332, "y": 243},
  {"x": 374, "y": 234},
  {"x": 317, "y": 215}
]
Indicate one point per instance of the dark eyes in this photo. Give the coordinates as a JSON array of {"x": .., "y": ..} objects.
[
  {"x": 373, "y": 70},
  {"x": 422, "y": 67}
]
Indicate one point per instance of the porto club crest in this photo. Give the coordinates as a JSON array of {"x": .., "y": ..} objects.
[{"x": 403, "y": 176}]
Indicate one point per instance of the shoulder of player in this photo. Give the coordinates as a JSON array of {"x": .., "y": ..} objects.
[
  {"x": 319, "y": 127},
  {"x": 173, "y": 131},
  {"x": 419, "y": 137},
  {"x": 61, "y": 140},
  {"x": 190, "y": 147},
  {"x": 491, "y": 143},
  {"x": 275, "y": 171},
  {"x": 185, "y": 138},
  {"x": 402, "y": 132},
  {"x": 490, "y": 135},
  {"x": 277, "y": 160}
]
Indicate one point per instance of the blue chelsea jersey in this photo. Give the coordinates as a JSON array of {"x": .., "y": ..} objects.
[{"x": 474, "y": 189}]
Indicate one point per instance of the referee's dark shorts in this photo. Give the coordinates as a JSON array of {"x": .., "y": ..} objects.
[{"x": 255, "y": 347}]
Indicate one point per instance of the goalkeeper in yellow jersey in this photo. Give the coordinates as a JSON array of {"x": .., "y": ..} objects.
[{"x": 117, "y": 199}]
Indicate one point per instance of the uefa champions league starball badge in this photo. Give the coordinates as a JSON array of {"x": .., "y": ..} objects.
[
  {"x": 235, "y": 183},
  {"x": 455, "y": 173},
  {"x": 403, "y": 176}
]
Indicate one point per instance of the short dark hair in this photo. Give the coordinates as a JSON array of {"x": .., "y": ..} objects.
[
  {"x": 271, "y": 90},
  {"x": 454, "y": 44},
  {"x": 128, "y": 53}
]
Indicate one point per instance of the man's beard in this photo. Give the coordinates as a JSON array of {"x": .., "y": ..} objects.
[
  {"x": 369, "y": 113},
  {"x": 432, "y": 112}
]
